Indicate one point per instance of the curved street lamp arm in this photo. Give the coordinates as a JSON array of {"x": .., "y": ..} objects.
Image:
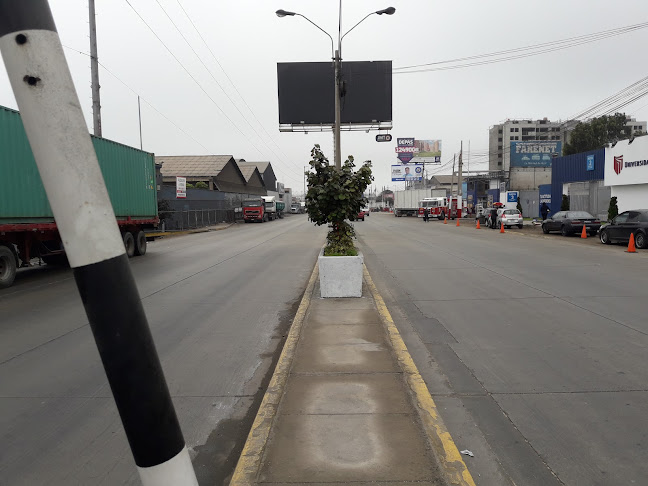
[
  {"x": 368, "y": 15},
  {"x": 329, "y": 35}
]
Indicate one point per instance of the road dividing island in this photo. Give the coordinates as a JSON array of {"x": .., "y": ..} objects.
[{"x": 347, "y": 404}]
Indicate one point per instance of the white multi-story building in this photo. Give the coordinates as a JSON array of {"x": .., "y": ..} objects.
[{"x": 501, "y": 136}]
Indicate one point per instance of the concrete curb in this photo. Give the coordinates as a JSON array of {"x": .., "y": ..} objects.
[
  {"x": 450, "y": 460},
  {"x": 250, "y": 460},
  {"x": 158, "y": 234}
]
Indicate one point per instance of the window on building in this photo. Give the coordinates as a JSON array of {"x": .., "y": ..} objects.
[
  {"x": 513, "y": 129},
  {"x": 499, "y": 156},
  {"x": 499, "y": 164},
  {"x": 499, "y": 139},
  {"x": 499, "y": 147},
  {"x": 499, "y": 131}
]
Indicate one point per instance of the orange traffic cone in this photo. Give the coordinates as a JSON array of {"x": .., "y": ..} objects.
[
  {"x": 631, "y": 244},
  {"x": 445, "y": 220},
  {"x": 502, "y": 228},
  {"x": 584, "y": 233},
  {"x": 458, "y": 219},
  {"x": 478, "y": 227}
]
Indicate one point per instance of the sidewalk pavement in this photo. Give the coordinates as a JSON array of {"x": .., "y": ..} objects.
[
  {"x": 204, "y": 229},
  {"x": 347, "y": 404}
]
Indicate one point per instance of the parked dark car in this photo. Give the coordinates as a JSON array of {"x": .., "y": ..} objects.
[
  {"x": 627, "y": 223},
  {"x": 570, "y": 222}
]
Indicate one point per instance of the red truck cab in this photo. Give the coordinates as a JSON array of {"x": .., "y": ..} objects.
[{"x": 254, "y": 210}]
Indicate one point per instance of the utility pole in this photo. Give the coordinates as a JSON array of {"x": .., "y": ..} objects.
[
  {"x": 94, "y": 70},
  {"x": 459, "y": 179},
  {"x": 139, "y": 112},
  {"x": 454, "y": 158}
]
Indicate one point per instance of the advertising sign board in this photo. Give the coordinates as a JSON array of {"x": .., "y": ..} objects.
[
  {"x": 627, "y": 163},
  {"x": 306, "y": 91},
  {"x": 534, "y": 153},
  {"x": 512, "y": 196},
  {"x": 428, "y": 148},
  {"x": 407, "y": 172},
  {"x": 405, "y": 142},
  {"x": 181, "y": 187},
  {"x": 405, "y": 157},
  {"x": 383, "y": 137}
]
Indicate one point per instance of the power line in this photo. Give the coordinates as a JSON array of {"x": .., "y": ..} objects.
[
  {"x": 520, "y": 52},
  {"x": 107, "y": 70},
  {"x": 192, "y": 77},
  {"x": 227, "y": 76},
  {"x": 215, "y": 80}
]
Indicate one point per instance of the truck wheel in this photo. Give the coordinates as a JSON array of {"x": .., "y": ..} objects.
[
  {"x": 140, "y": 243},
  {"x": 129, "y": 243},
  {"x": 7, "y": 267}
]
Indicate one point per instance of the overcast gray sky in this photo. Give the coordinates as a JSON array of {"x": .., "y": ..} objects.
[{"x": 248, "y": 40}]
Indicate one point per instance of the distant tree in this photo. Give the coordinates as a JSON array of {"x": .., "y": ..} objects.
[
  {"x": 613, "y": 210},
  {"x": 190, "y": 186},
  {"x": 564, "y": 205},
  {"x": 598, "y": 132},
  {"x": 202, "y": 185}
]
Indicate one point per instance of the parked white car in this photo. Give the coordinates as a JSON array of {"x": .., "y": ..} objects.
[{"x": 509, "y": 217}]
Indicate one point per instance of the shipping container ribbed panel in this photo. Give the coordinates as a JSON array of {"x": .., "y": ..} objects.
[{"x": 129, "y": 174}]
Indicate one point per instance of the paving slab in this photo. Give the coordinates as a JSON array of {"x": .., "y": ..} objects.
[
  {"x": 345, "y": 448},
  {"x": 346, "y": 394}
]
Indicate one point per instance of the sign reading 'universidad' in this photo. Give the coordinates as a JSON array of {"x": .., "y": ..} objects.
[{"x": 534, "y": 153}]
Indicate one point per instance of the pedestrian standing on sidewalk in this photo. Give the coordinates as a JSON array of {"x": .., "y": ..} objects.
[
  {"x": 426, "y": 214},
  {"x": 544, "y": 210}
]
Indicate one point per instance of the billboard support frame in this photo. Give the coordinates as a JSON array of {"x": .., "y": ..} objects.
[{"x": 345, "y": 127}]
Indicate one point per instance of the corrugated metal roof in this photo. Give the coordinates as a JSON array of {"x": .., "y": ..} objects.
[{"x": 192, "y": 165}]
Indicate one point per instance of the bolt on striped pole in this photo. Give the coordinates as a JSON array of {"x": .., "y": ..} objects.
[{"x": 60, "y": 142}]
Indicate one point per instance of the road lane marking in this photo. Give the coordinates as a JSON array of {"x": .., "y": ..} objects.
[
  {"x": 250, "y": 460},
  {"x": 451, "y": 462}
]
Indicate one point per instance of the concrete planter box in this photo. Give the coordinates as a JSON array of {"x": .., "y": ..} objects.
[{"x": 340, "y": 276}]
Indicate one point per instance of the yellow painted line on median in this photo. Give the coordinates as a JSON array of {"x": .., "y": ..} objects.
[
  {"x": 248, "y": 464},
  {"x": 450, "y": 459}
]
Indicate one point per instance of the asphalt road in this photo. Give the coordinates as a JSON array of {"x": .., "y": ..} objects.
[
  {"x": 534, "y": 347},
  {"x": 218, "y": 305}
]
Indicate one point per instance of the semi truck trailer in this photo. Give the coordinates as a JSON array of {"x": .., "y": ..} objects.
[{"x": 27, "y": 226}]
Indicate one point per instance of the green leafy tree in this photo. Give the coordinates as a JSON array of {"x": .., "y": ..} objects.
[
  {"x": 598, "y": 132},
  {"x": 613, "y": 210},
  {"x": 201, "y": 185},
  {"x": 190, "y": 186},
  {"x": 333, "y": 197},
  {"x": 564, "y": 205}
]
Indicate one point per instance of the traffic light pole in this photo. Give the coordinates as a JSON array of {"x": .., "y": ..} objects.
[{"x": 66, "y": 160}]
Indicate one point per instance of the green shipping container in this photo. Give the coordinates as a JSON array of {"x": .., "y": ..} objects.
[{"x": 129, "y": 174}]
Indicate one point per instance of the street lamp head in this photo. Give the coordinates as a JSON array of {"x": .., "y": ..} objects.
[
  {"x": 284, "y": 13},
  {"x": 388, "y": 11}
]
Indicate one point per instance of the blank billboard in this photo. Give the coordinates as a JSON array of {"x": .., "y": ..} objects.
[{"x": 306, "y": 92}]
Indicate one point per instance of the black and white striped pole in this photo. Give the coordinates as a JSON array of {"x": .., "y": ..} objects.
[{"x": 68, "y": 166}]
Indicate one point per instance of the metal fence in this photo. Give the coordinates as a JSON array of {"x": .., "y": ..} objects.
[{"x": 194, "y": 218}]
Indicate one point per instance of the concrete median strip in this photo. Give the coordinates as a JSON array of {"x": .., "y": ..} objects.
[
  {"x": 250, "y": 460},
  {"x": 445, "y": 449},
  {"x": 325, "y": 373}
]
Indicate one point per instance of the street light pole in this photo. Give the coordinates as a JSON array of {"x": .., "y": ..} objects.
[
  {"x": 337, "y": 60},
  {"x": 338, "y": 113}
]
